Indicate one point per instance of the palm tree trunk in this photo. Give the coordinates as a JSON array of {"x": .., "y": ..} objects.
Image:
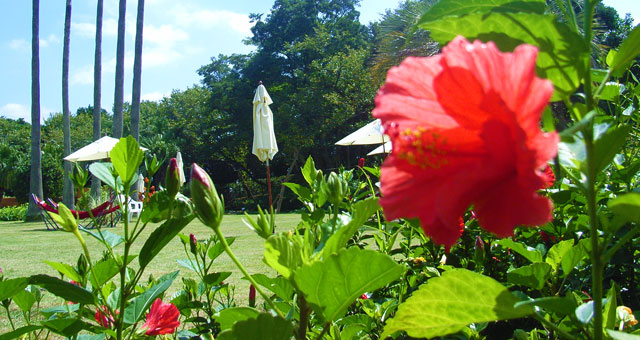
[
  {"x": 118, "y": 100},
  {"x": 67, "y": 190},
  {"x": 97, "y": 93},
  {"x": 137, "y": 74},
  {"x": 35, "y": 180}
]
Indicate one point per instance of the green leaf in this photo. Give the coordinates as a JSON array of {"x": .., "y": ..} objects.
[
  {"x": 463, "y": 7},
  {"x": 572, "y": 257},
  {"x": 111, "y": 239},
  {"x": 533, "y": 275},
  {"x": 447, "y": 304},
  {"x": 126, "y": 158},
  {"x": 585, "y": 313},
  {"x": 361, "y": 212},
  {"x": 628, "y": 50},
  {"x": 529, "y": 253},
  {"x": 309, "y": 171},
  {"x": 188, "y": 264},
  {"x": 142, "y": 302},
  {"x": 10, "y": 287},
  {"x": 106, "y": 270},
  {"x": 215, "y": 278},
  {"x": 104, "y": 172},
  {"x": 217, "y": 249},
  {"x": 65, "y": 269},
  {"x": 278, "y": 285},
  {"x": 284, "y": 253},
  {"x": 63, "y": 289},
  {"x": 264, "y": 327},
  {"x": 229, "y": 316},
  {"x": 616, "y": 335},
  {"x": 557, "y": 252},
  {"x": 303, "y": 193},
  {"x": 160, "y": 237},
  {"x": 626, "y": 206},
  {"x": 611, "y": 91},
  {"x": 333, "y": 284},
  {"x": 608, "y": 145},
  {"x": 562, "y": 53},
  {"x": 560, "y": 305},
  {"x": 20, "y": 331},
  {"x": 67, "y": 327},
  {"x": 91, "y": 336},
  {"x": 24, "y": 300},
  {"x": 609, "y": 313}
]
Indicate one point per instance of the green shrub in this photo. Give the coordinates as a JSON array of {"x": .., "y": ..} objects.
[{"x": 16, "y": 213}]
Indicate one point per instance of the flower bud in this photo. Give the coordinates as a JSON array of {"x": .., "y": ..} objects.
[
  {"x": 65, "y": 219},
  {"x": 336, "y": 188},
  {"x": 172, "y": 178},
  {"x": 193, "y": 243},
  {"x": 361, "y": 162},
  {"x": 252, "y": 296},
  {"x": 479, "y": 253},
  {"x": 208, "y": 205}
]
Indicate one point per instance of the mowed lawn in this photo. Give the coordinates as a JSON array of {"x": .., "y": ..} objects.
[{"x": 24, "y": 247}]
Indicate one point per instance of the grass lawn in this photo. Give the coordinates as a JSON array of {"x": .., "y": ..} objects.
[{"x": 23, "y": 247}]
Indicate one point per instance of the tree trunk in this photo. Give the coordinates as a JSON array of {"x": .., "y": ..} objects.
[
  {"x": 280, "y": 197},
  {"x": 118, "y": 98},
  {"x": 97, "y": 93},
  {"x": 67, "y": 191},
  {"x": 35, "y": 180},
  {"x": 137, "y": 74}
]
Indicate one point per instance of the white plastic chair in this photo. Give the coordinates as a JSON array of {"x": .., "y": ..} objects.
[{"x": 135, "y": 207}]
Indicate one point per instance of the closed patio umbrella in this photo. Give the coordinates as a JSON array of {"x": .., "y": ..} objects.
[{"x": 264, "y": 138}]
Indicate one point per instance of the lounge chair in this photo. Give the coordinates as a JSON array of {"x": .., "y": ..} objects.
[{"x": 104, "y": 215}]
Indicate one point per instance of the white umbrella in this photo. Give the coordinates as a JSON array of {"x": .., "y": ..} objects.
[
  {"x": 140, "y": 185},
  {"x": 180, "y": 168},
  {"x": 385, "y": 148},
  {"x": 96, "y": 150},
  {"x": 264, "y": 139},
  {"x": 372, "y": 133}
]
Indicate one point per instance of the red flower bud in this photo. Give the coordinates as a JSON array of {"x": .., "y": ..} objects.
[
  {"x": 193, "y": 243},
  {"x": 252, "y": 296},
  {"x": 208, "y": 205},
  {"x": 364, "y": 296},
  {"x": 361, "y": 162},
  {"x": 104, "y": 318},
  {"x": 172, "y": 178}
]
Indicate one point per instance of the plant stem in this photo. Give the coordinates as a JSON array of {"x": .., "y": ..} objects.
[
  {"x": 233, "y": 257},
  {"x": 13, "y": 327},
  {"x": 324, "y": 330},
  {"x": 551, "y": 325},
  {"x": 626, "y": 238},
  {"x": 304, "y": 318}
]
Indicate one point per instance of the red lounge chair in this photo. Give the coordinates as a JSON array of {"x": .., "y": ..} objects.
[{"x": 97, "y": 217}]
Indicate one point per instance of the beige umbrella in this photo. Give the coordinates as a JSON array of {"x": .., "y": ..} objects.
[
  {"x": 98, "y": 149},
  {"x": 264, "y": 139},
  {"x": 385, "y": 148},
  {"x": 372, "y": 133}
]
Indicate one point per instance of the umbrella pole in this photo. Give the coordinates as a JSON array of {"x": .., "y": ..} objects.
[{"x": 269, "y": 185}]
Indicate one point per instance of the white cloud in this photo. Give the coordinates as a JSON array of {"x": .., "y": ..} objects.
[
  {"x": 209, "y": 18},
  {"x": 83, "y": 29},
  {"x": 51, "y": 39},
  {"x": 154, "y": 96},
  {"x": 163, "y": 34},
  {"x": 17, "y": 111},
  {"x": 109, "y": 27},
  {"x": 18, "y": 44},
  {"x": 82, "y": 75}
]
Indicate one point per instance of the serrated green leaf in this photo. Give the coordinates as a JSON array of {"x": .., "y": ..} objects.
[
  {"x": 66, "y": 270},
  {"x": 63, "y": 289},
  {"x": 572, "y": 257},
  {"x": 562, "y": 55},
  {"x": 105, "y": 271},
  {"x": 264, "y": 327},
  {"x": 361, "y": 212},
  {"x": 463, "y": 7},
  {"x": 309, "y": 171},
  {"x": 610, "y": 91},
  {"x": 284, "y": 253},
  {"x": 303, "y": 193},
  {"x": 628, "y": 50},
  {"x": 142, "y": 302},
  {"x": 217, "y": 249},
  {"x": 447, "y": 304},
  {"x": 529, "y": 253},
  {"x": 160, "y": 237},
  {"x": 333, "y": 284},
  {"x": 608, "y": 145},
  {"x": 533, "y": 275},
  {"x": 104, "y": 172},
  {"x": 626, "y": 206},
  {"x": 278, "y": 285},
  {"x": 228, "y": 316},
  {"x": 111, "y": 239},
  {"x": 126, "y": 158},
  {"x": 557, "y": 252},
  {"x": 12, "y": 286},
  {"x": 25, "y": 300}
]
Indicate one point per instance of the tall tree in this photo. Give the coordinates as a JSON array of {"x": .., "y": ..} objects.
[
  {"x": 35, "y": 178},
  {"x": 97, "y": 91},
  {"x": 67, "y": 192},
  {"x": 137, "y": 74},
  {"x": 118, "y": 100}
]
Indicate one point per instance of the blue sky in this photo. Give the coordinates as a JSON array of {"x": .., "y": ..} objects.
[{"x": 179, "y": 37}]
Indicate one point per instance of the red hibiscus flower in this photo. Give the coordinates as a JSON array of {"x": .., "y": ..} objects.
[
  {"x": 162, "y": 318},
  {"x": 104, "y": 318},
  {"x": 465, "y": 131}
]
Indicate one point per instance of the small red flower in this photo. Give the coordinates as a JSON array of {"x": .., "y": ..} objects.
[
  {"x": 550, "y": 177},
  {"x": 465, "y": 131},
  {"x": 252, "y": 296},
  {"x": 361, "y": 162},
  {"x": 104, "y": 318},
  {"x": 364, "y": 296},
  {"x": 162, "y": 318}
]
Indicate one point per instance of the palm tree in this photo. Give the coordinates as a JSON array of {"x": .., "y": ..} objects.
[
  {"x": 137, "y": 74},
  {"x": 67, "y": 191},
  {"x": 97, "y": 88},
  {"x": 118, "y": 100},
  {"x": 35, "y": 178}
]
